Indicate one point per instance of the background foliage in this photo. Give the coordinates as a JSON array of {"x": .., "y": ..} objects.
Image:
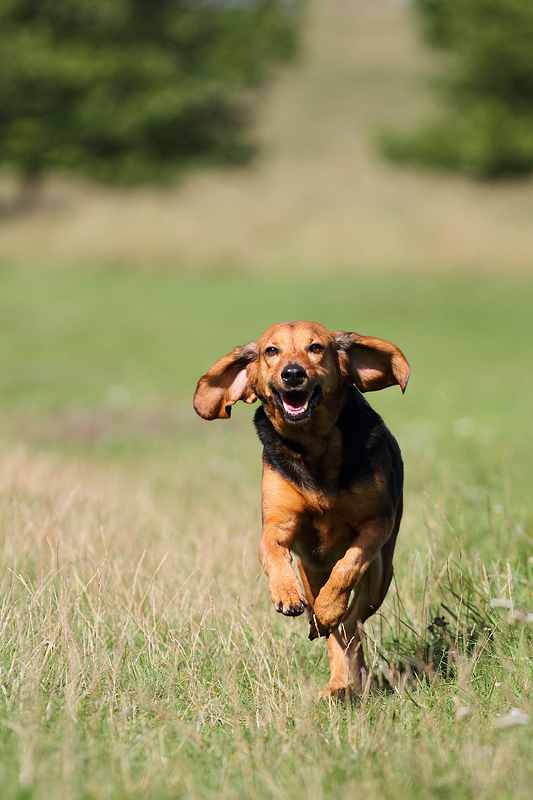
[
  {"x": 132, "y": 90},
  {"x": 486, "y": 92}
]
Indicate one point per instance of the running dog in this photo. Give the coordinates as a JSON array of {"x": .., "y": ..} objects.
[{"x": 332, "y": 477}]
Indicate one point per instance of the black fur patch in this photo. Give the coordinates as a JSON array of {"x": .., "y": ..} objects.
[
  {"x": 281, "y": 454},
  {"x": 366, "y": 441}
]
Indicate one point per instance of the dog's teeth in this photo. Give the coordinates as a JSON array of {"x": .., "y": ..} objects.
[{"x": 293, "y": 410}]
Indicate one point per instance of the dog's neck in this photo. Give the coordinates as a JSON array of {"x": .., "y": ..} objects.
[{"x": 316, "y": 437}]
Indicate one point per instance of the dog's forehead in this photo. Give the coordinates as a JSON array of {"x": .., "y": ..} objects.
[{"x": 295, "y": 333}]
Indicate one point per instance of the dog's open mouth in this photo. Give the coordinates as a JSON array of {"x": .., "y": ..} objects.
[{"x": 297, "y": 405}]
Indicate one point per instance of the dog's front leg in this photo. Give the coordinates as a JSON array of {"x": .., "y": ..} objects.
[
  {"x": 275, "y": 557},
  {"x": 281, "y": 509},
  {"x": 332, "y": 602}
]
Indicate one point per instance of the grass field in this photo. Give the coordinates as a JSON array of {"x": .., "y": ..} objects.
[{"x": 141, "y": 656}]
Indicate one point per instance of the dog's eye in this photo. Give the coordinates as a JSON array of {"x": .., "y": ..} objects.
[
  {"x": 316, "y": 348},
  {"x": 271, "y": 351}
]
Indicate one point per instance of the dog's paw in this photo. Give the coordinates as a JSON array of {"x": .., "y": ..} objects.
[
  {"x": 290, "y": 602},
  {"x": 326, "y": 616},
  {"x": 291, "y": 609},
  {"x": 332, "y": 693},
  {"x": 340, "y": 694},
  {"x": 316, "y": 629}
]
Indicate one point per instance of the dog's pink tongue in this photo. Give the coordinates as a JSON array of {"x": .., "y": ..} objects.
[{"x": 296, "y": 400}]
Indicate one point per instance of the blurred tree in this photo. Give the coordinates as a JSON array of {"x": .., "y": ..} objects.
[
  {"x": 133, "y": 90},
  {"x": 486, "y": 123}
]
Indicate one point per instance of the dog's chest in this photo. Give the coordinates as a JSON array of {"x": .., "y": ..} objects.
[
  {"x": 328, "y": 464},
  {"x": 330, "y": 525}
]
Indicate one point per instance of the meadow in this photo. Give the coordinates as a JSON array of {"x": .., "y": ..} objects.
[{"x": 141, "y": 656}]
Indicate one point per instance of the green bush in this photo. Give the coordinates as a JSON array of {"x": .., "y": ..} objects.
[
  {"x": 485, "y": 126},
  {"x": 133, "y": 90}
]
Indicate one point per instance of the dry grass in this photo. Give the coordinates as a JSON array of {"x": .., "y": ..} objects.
[
  {"x": 141, "y": 656},
  {"x": 318, "y": 195}
]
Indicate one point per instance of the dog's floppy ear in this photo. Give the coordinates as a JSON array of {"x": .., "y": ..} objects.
[
  {"x": 371, "y": 363},
  {"x": 226, "y": 382}
]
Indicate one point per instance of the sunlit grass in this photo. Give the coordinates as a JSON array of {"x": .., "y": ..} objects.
[{"x": 141, "y": 656}]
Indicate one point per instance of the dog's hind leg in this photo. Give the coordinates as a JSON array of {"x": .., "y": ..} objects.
[
  {"x": 345, "y": 645},
  {"x": 349, "y": 674}
]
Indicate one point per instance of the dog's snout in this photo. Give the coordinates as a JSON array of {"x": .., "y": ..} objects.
[{"x": 293, "y": 375}]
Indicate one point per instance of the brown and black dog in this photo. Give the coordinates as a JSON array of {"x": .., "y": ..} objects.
[{"x": 332, "y": 476}]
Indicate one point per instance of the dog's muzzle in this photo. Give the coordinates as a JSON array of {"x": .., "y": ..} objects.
[{"x": 297, "y": 405}]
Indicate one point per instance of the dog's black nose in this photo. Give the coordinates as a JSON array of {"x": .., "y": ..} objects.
[{"x": 293, "y": 375}]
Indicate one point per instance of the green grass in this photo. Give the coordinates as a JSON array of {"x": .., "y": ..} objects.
[
  {"x": 141, "y": 657},
  {"x": 71, "y": 336}
]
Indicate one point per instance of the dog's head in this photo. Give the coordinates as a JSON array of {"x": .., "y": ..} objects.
[{"x": 299, "y": 371}]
